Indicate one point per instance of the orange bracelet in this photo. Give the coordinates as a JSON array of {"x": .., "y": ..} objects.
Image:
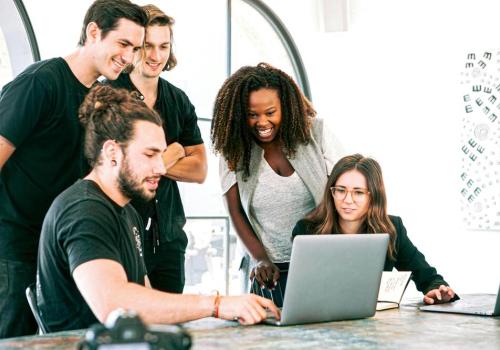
[{"x": 215, "y": 311}]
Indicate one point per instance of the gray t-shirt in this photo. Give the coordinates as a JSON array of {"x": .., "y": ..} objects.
[
  {"x": 312, "y": 163},
  {"x": 279, "y": 202}
]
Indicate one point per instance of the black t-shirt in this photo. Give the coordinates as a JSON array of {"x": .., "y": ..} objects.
[
  {"x": 83, "y": 224},
  {"x": 39, "y": 116},
  {"x": 180, "y": 125},
  {"x": 407, "y": 256}
]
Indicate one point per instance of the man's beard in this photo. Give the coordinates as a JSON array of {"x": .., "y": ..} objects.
[{"x": 130, "y": 186}]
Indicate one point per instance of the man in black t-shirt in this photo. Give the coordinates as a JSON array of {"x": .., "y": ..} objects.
[
  {"x": 90, "y": 255},
  {"x": 185, "y": 158},
  {"x": 40, "y": 143},
  {"x": 82, "y": 225}
]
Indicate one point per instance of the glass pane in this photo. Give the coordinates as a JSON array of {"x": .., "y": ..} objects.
[
  {"x": 254, "y": 40},
  {"x": 206, "y": 254},
  {"x": 57, "y": 24},
  {"x": 200, "y": 47},
  {"x": 15, "y": 50},
  {"x": 6, "y": 73},
  {"x": 206, "y": 201},
  {"x": 201, "y": 53}
]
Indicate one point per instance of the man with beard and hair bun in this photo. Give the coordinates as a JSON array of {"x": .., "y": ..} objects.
[{"x": 90, "y": 258}]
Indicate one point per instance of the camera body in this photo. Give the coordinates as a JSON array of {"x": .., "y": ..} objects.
[{"x": 125, "y": 330}]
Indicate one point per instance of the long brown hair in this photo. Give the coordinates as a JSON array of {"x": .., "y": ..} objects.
[
  {"x": 157, "y": 17},
  {"x": 229, "y": 131},
  {"x": 325, "y": 218}
]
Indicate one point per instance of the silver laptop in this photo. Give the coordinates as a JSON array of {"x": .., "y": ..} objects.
[
  {"x": 333, "y": 277},
  {"x": 471, "y": 304}
]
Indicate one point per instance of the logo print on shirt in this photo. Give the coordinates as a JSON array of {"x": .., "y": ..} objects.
[{"x": 137, "y": 237}]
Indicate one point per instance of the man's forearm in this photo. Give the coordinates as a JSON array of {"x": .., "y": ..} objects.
[
  {"x": 104, "y": 286},
  {"x": 154, "y": 306},
  {"x": 188, "y": 169}
]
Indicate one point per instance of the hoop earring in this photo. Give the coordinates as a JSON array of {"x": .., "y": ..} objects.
[{"x": 113, "y": 162}]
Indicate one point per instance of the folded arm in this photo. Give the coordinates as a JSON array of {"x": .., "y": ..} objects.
[{"x": 186, "y": 164}]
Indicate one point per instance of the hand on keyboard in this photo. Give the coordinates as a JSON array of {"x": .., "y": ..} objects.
[{"x": 266, "y": 273}]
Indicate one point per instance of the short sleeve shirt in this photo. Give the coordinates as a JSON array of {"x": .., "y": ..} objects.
[
  {"x": 39, "y": 116},
  {"x": 82, "y": 225},
  {"x": 180, "y": 125}
]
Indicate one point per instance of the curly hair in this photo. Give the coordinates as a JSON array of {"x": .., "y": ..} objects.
[
  {"x": 325, "y": 218},
  {"x": 109, "y": 114},
  {"x": 229, "y": 132}
]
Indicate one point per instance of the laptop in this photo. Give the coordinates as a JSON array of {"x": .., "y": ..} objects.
[
  {"x": 332, "y": 278},
  {"x": 471, "y": 304}
]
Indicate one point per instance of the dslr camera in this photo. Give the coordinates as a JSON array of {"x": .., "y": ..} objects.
[{"x": 125, "y": 330}]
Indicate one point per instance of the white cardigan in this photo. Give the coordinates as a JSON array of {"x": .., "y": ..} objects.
[{"x": 312, "y": 162}]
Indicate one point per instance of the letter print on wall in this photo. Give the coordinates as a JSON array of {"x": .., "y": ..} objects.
[{"x": 480, "y": 137}]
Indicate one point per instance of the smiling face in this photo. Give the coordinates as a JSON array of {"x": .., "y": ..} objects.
[
  {"x": 117, "y": 49},
  {"x": 347, "y": 208},
  {"x": 142, "y": 165},
  {"x": 264, "y": 115},
  {"x": 156, "y": 51}
]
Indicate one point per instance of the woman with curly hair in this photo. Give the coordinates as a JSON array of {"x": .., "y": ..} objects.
[
  {"x": 354, "y": 201},
  {"x": 276, "y": 157}
]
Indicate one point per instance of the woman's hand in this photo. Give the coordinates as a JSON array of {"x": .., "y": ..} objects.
[
  {"x": 441, "y": 295},
  {"x": 266, "y": 274}
]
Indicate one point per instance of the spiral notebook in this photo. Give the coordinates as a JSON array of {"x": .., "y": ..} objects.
[{"x": 392, "y": 288}]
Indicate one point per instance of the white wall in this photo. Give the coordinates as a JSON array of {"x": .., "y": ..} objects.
[{"x": 390, "y": 88}]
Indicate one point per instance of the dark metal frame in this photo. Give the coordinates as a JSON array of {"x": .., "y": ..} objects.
[
  {"x": 35, "y": 52},
  {"x": 284, "y": 36}
]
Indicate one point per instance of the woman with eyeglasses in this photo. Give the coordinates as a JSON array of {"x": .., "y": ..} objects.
[
  {"x": 354, "y": 202},
  {"x": 275, "y": 160}
]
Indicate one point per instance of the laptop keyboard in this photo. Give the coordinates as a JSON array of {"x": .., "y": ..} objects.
[
  {"x": 480, "y": 302},
  {"x": 472, "y": 304}
]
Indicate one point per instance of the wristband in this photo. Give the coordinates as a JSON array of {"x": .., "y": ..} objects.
[{"x": 215, "y": 311}]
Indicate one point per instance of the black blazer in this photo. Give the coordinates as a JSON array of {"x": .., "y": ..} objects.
[{"x": 407, "y": 256}]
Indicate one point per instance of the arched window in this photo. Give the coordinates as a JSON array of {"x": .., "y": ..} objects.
[
  {"x": 210, "y": 43},
  {"x": 257, "y": 34}
]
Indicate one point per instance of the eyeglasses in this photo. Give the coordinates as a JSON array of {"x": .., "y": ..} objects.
[{"x": 358, "y": 195}]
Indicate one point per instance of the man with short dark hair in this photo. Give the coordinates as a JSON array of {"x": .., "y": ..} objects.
[
  {"x": 90, "y": 257},
  {"x": 40, "y": 143}
]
